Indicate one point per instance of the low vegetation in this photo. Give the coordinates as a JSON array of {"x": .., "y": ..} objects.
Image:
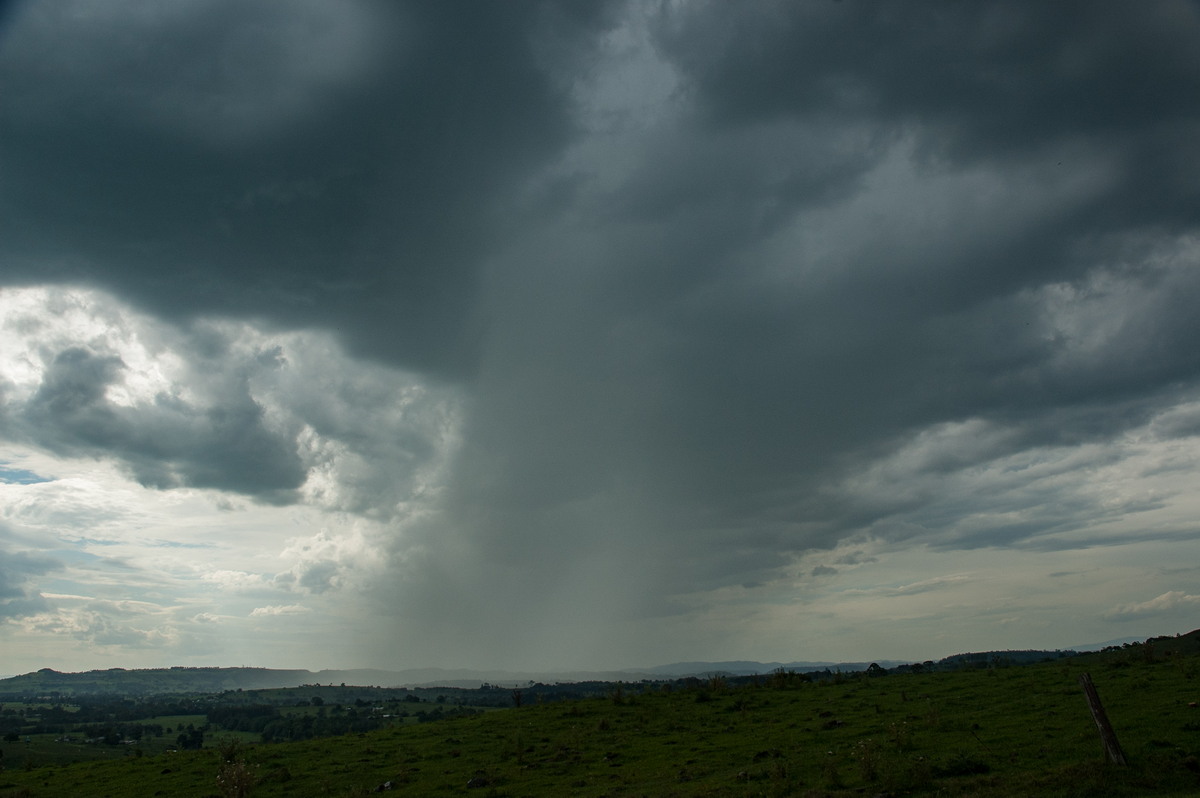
[{"x": 988, "y": 729}]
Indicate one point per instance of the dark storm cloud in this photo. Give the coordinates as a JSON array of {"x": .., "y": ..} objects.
[
  {"x": 169, "y": 443},
  {"x": 1028, "y": 264},
  {"x": 988, "y": 77},
  {"x": 6, "y": 7},
  {"x": 288, "y": 161},
  {"x": 992, "y": 83},
  {"x": 863, "y": 270},
  {"x": 999, "y": 83}
]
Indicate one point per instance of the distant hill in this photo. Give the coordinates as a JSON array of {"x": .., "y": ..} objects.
[
  {"x": 161, "y": 681},
  {"x": 152, "y": 681},
  {"x": 1182, "y": 643},
  {"x": 751, "y": 668},
  {"x": 184, "y": 680},
  {"x": 1120, "y": 641}
]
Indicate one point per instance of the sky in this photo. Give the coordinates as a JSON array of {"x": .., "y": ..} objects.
[{"x": 595, "y": 335}]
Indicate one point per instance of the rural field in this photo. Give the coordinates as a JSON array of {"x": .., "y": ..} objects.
[{"x": 990, "y": 730}]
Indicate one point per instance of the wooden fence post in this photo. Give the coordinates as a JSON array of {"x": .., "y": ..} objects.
[{"x": 1108, "y": 738}]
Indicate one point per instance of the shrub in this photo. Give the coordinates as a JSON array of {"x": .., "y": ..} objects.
[
  {"x": 867, "y": 755},
  {"x": 901, "y": 736},
  {"x": 235, "y": 779}
]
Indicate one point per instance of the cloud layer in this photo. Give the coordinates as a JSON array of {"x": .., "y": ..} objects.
[{"x": 640, "y": 331}]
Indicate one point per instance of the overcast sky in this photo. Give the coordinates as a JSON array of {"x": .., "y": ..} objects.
[{"x": 553, "y": 335}]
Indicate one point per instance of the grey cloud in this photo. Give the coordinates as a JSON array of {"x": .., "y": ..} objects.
[
  {"x": 721, "y": 178},
  {"x": 855, "y": 558},
  {"x": 318, "y": 577},
  {"x": 1179, "y": 423},
  {"x": 23, "y": 606},
  {"x": 19, "y": 571},
  {"x": 168, "y": 443},
  {"x": 18, "y": 566}
]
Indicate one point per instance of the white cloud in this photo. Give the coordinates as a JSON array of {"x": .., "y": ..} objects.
[
  {"x": 1170, "y": 602},
  {"x": 108, "y": 623},
  {"x": 279, "y": 609},
  {"x": 922, "y": 586},
  {"x": 234, "y": 580},
  {"x": 334, "y": 559},
  {"x": 67, "y": 597},
  {"x": 221, "y": 405}
]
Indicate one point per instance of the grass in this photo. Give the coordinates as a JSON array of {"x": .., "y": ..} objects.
[{"x": 1001, "y": 732}]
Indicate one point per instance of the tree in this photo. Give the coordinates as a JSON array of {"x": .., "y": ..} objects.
[{"x": 191, "y": 740}]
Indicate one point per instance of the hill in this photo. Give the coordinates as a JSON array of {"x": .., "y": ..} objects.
[
  {"x": 751, "y": 668},
  {"x": 194, "y": 680},
  {"x": 150, "y": 681}
]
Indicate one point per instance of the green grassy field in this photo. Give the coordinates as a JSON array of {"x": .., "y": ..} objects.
[
  {"x": 996, "y": 732},
  {"x": 53, "y": 749}
]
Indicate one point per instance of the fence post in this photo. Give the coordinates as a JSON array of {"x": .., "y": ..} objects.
[{"x": 1108, "y": 738}]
